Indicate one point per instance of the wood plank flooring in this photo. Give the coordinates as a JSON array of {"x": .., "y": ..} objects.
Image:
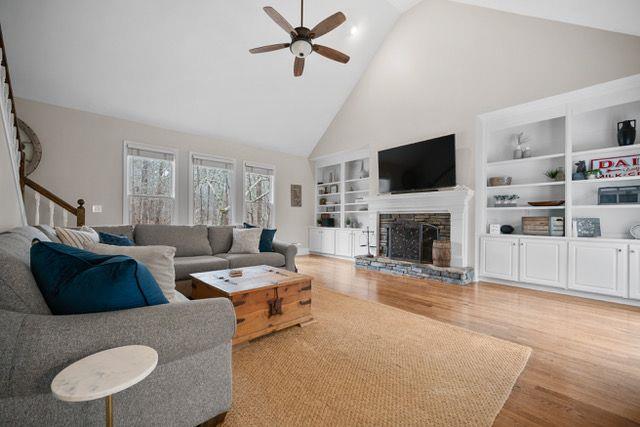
[{"x": 585, "y": 366}]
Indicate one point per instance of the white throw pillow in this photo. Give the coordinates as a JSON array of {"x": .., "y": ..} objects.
[
  {"x": 246, "y": 241},
  {"x": 80, "y": 238},
  {"x": 158, "y": 259}
]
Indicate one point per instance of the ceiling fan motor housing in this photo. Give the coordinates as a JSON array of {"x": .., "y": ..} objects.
[{"x": 301, "y": 45}]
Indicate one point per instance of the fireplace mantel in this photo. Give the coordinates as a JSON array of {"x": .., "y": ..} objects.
[{"x": 455, "y": 202}]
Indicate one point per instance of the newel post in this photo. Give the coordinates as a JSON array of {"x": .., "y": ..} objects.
[{"x": 80, "y": 213}]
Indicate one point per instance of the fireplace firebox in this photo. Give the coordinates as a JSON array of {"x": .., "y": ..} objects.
[{"x": 410, "y": 237}]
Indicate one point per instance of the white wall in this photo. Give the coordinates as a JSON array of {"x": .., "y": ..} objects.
[
  {"x": 10, "y": 199},
  {"x": 444, "y": 63},
  {"x": 82, "y": 158}
]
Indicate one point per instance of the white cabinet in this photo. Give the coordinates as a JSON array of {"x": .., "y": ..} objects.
[
  {"x": 499, "y": 257},
  {"x": 328, "y": 241},
  {"x": 344, "y": 243},
  {"x": 315, "y": 240},
  {"x": 543, "y": 262},
  {"x": 634, "y": 271},
  {"x": 600, "y": 268}
]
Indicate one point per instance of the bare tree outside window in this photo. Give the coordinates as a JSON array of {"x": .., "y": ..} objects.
[
  {"x": 258, "y": 196},
  {"x": 212, "y": 196},
  {"x": 150, "y": 186}
]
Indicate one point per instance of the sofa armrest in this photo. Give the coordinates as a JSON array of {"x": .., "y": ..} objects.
[
  {"x": 44, "y": 345},
  {"x": 289, "y": 251}
]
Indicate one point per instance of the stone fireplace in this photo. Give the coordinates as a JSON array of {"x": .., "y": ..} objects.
[
  {"x": 410, "y": 236},
  {"x": 407, "y": 225}
]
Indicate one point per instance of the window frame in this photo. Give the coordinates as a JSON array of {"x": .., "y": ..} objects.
[
  {"x": 203, "y": 156},
  {"x": 125, "y": 173},
  {"x": 246, "y": 164}
]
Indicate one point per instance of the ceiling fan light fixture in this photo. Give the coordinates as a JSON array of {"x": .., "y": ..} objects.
[{"x": 301, "y": 48}]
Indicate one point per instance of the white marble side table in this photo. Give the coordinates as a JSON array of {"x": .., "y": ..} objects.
[{"x": 104, "y": 374}]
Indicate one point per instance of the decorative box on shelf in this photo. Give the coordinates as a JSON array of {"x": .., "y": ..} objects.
[{"x": 543, "y": 225}]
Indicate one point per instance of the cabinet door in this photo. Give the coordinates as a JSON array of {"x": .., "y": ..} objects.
[
  {"x": 634, "y": 271},
  {"x": 543, "y": 262},
  {"x": 499, "y": 257},
  {"x": 315, "y": 240},
  {"x": 328, "y": 242},
  {"x": 600, "y": 268},
  {"x": 344, "y": 243}
]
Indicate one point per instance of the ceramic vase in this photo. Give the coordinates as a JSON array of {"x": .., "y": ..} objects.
[{"x": 627, "y": 132}]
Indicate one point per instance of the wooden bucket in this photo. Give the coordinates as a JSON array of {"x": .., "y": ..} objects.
[{"x": 442, "y": 253}]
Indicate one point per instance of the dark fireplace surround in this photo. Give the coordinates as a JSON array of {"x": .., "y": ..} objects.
[{"x": 410, "y": 236}]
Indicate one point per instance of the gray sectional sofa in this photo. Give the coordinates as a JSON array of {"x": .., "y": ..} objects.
[
  {"x": 190, "y": 385},
  {"x": 200, "y": 248}
]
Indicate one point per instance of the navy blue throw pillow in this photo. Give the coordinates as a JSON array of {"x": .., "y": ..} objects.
[
  {"x": 115, "y": 240},
  {"x": 74, "y": 281},
  {"x": 266, "y": 238}
]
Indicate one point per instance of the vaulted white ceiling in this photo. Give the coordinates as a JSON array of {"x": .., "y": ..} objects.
[{"x": 185, "y": 65}]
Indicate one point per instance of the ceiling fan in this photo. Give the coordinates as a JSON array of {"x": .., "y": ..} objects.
[{"x": 302, "y": 38}]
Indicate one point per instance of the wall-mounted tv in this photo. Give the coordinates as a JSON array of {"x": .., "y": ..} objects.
[{"x": 423, "y": 166}]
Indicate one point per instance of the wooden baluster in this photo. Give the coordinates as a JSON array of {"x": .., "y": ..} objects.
[
  {"x": 80, "y": 215},
  {"x": 52, "y": 211},
  {"x": 65, "y": 217},
  {"x": 37, "y": 213}
]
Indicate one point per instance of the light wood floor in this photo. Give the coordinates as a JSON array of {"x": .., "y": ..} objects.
[{"x": 585, "y": 366}]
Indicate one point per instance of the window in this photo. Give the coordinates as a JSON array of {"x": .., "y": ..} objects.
[
  {"x": 258, "y": 195},
  {"x": 150, "y": 185},
  {"x": 211, "y": 197}
]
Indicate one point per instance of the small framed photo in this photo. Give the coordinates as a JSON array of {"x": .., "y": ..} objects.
[
  {"x": 296, "y": 195},
  {"x": 587, "y": 227}
]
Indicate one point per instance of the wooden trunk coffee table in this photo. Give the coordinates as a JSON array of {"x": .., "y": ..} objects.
[{"x": 265, "y": 299}]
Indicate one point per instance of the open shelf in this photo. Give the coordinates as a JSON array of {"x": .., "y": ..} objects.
[
  {"x": 610, "y": 150},
  {"x": 622, "y": 206},
  {"x": 356, "y": 191},
  {"x": 607, "y": 180},
  {"x": 536, "y": 184},
  {"x": 525, "y": 208},
  {"x": 357, "y": 179},
  {"x": 527, "y": 160}
]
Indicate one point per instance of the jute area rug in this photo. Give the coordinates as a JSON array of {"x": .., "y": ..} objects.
[{"x": 365, "y": 363}]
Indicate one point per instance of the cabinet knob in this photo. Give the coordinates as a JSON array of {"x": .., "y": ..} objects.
[{"x": 619, "y": 250}]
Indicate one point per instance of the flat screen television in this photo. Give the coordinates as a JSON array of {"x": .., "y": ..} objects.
[{"x": 423, "y": 166}]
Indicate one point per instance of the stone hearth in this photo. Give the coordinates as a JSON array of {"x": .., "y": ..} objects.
[{"x": 453, "y": 275}]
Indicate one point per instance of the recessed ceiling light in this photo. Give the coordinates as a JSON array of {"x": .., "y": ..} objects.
[{"x": 354, "y": 30}]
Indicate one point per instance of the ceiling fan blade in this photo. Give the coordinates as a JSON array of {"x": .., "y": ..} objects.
[
  {"x": 298, "y": 66},
  {"x": 279, "y": 19},
  {"x": 329, "y": 24},
  {"x": 270, "y": 48},
  {"x": 333, "y": 54}
]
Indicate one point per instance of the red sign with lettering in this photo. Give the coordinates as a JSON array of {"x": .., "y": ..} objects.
[{"x": 616, "y": 167}]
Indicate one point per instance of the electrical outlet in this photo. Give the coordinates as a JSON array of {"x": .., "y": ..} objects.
[{"x": 96, "y": 208}]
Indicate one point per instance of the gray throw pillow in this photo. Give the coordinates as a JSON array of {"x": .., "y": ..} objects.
[
  {"x": 158, "y": 259},
  {"x": 246, "y": 241}
]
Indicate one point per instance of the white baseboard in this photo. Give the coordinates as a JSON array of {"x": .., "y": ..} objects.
[
  {"x": 569, "y": 292},
  {"x": 303, "y": 251}
]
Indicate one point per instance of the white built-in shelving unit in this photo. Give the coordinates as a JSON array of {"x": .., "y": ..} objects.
[
  {"x": 563, "y": 130},
  {"x": 342, "y": 191}
]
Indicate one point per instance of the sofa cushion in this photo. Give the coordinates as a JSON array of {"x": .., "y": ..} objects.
[
  {"x": 78, "y": 238},
  {"x": 272, "y": 259},
  {"x": 246, "y": 241},
  {"x": 49, "y": 231},
  {"x": 221, "y": 238},
  {"x": 158, "y": 259},
  {"x": 266, "y": 238},
  {"x": 188, "y": 241},
  {"x": 118, "y": 230},
  {"x": 18, "y": 288},
  {"x": 198, "y": 264},
  {"x": 114, "y": 239},
  {"x": 75, "y": 281}
]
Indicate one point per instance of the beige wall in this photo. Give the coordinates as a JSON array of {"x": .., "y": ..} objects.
[
  {"x": 444, "y": 63},
  {"x": 82, "y": 157}
]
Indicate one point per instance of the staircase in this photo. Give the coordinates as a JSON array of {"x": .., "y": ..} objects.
[{"x": 57, "y": 210}]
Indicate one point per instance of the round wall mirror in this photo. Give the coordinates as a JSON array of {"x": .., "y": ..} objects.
[{"x": 31, "y": 147}]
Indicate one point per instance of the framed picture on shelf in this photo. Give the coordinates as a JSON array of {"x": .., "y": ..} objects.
[
  {"x": 615, "y": 167},
  {"x": 587, "y": 227}
]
